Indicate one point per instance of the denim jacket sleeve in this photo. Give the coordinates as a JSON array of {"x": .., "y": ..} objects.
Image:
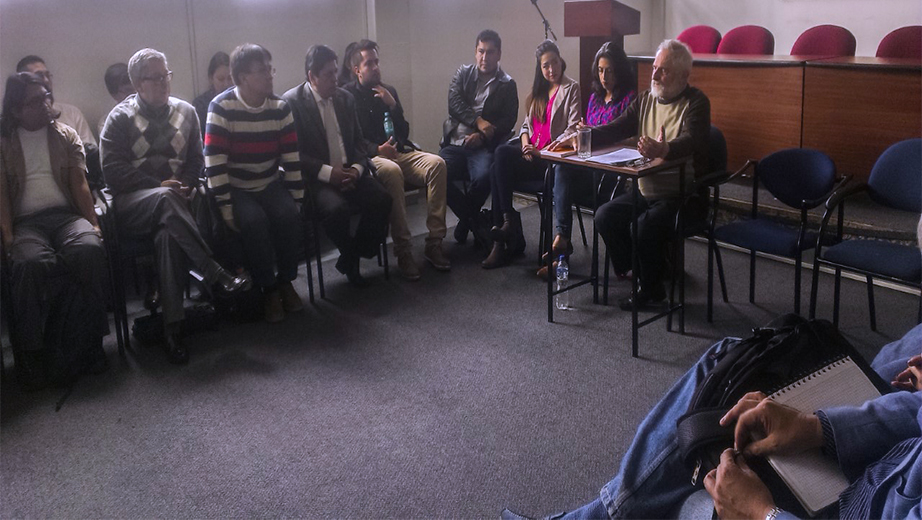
[{"x": 865, "y": 434}]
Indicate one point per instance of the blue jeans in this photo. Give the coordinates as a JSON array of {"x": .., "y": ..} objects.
[
  {"x": 270, "y": 229},
  {"x": 566, "y": 179},
  {"x": 652, "y": 481},
  {"x": 469, "y": 165}
]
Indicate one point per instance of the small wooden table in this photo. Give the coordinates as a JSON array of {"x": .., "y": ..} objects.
[{"x": 651, "y": 168}]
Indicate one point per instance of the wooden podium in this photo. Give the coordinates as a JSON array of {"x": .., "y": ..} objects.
[{"x": 596, "y": 22}]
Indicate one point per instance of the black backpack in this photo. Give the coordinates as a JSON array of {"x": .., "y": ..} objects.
[{"x": 785, "y": 350}]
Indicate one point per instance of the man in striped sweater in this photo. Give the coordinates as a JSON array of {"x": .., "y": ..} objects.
[{"x": 249, "y": 135}]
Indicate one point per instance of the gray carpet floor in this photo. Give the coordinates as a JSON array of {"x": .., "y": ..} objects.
[{"x": 451, "y": 397}]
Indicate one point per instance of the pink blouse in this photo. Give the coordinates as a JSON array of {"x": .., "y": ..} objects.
[{"x": 542, "y": 131}]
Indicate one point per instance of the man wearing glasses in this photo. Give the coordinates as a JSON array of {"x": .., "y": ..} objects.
[
  {"x": 251, "y": 159},
  {"x": 64, "y": 113},
  {"x": 152, "y": 158}
]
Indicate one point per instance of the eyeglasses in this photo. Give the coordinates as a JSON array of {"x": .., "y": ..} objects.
[
  {"x": 44, "y": 73},
  {"x": 37, "y": 102},
  {"x": 265, "y": 71},
  {"x": 159, "y": 78}
]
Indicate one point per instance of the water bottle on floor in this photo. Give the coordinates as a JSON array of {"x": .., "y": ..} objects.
[{"x": 563, "y": 279}]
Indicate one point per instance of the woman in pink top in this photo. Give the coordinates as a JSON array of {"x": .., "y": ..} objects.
[{"x": 553, "y": 112}]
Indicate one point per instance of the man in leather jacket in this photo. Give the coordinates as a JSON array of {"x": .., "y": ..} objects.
[{"x": 483, "y": 106}]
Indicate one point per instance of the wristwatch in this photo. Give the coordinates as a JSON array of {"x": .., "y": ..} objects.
[{"x": 772, "y": 513}]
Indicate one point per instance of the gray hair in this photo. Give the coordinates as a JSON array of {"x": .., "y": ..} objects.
[
  {"x": 680, "y": 56},
  {"x": 139, "y": 61}
]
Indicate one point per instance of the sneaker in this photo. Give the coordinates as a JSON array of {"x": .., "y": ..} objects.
[
  {"x": 407, "y": 266},
  {"x": 436, "y": 256},
  {"x": 291, "y": 300},
  {"x": 274, "y": 310}
]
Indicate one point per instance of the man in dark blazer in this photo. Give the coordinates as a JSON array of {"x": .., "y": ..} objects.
[{"x": 335, "y": 165}]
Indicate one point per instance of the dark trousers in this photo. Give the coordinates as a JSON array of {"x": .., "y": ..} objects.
[
  {"x": 473, "y": 166},
  {"x": 57, "y": 257},
  {"x": 655, "y": 226},
  {"x": 509, "y": 168},
  {"x": 369, "y": 200},
  {"x": 270, "y": 232},
  {"x": 165, "y": 214}
]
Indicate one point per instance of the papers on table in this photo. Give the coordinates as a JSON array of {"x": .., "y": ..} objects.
[{"x": 619, "y": 157}]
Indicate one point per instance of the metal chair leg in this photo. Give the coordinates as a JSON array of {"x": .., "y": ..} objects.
[
  {"x": 871, "y": 310},
  {"x": 720, "y": 274},
  {"x": 582, "y": 228},
  {"x": 814, "y": 287},
  {"x": 752, "y": 276}
]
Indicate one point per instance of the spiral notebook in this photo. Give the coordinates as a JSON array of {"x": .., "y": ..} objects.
[{"x": 815, "y": 479}]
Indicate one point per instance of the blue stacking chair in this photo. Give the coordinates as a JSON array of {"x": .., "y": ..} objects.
[
  {"x": 801, "y": 179},
  {"x": 896, "y": 183}
]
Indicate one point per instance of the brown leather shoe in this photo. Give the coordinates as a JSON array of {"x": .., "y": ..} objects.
[
  {"x": 407, "y": 266},
  {"x": 291, "y": 300},
  {"x": 542, "y": 272},
  {"x": 497, "y": 257},
  {"x": 274, "y": 309},
  {"x": 435, "y": 255}
]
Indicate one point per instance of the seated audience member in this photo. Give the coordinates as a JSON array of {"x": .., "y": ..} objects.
[
  {"x": 49, "y": 228},
  {"x": 151, "y": 158},
  {"x": 483, "y": 105},
  {"x": 346, "y": 75},
  {"x": 67, "y": 114},
  {"x": 250, "y": 134},
  {"x": 653, "y": 482},
  {"x": 335, "y": 158},
  {"x": 397, "y": 161},
  {"x": 552, "y": 113},
  {"x": 612, "y": 92},
  {"x": 219, "y": 80},
  {"x": 119, "y": 86},
  {"x": 878, "y": 446},
  {"x": 671, "y": 120}
]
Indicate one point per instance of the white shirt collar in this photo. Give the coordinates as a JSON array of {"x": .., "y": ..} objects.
[{"x": 309, "y": 89}]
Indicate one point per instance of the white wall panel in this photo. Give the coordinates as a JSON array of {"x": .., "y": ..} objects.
[{"x": 79, "y": 39}]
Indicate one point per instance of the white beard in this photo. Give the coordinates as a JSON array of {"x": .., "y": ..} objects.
[{"x": 656, "y": 90}]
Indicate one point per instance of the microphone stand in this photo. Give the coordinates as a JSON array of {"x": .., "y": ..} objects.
[{"x": 547, "y": 24}]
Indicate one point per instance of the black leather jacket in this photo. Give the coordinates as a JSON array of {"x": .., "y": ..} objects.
[{"x": 501, "y": 108}]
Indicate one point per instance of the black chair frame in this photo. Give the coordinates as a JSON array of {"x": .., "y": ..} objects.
[
  {"x": 836, "y": 204},
  {"x": 804, "y": 208}
]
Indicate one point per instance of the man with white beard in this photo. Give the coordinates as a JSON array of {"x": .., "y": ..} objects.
[{"x": 671, "y": 120}]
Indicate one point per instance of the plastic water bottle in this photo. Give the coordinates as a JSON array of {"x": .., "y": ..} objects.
[
  {"x": 388, "y": 125},
  {"x": 563, "y": 279}
]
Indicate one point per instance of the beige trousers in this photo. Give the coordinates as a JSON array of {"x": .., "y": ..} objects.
[{"x": 418, "y": 169}]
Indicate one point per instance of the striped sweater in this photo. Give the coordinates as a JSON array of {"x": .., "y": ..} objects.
[{"x": 244, "y": 147}]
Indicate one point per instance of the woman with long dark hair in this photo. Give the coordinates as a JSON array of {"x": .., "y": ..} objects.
[
  {"x": 51, "y": 237},
  {"x": 219, "y": 80},
  {"x": 552, "y": 113},
  {"x": 613, "y": 90}
]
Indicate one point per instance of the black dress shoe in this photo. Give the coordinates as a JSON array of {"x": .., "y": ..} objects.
[
  {"x": 229, "y": 283},
  {"x": 97, "y": 362},
  {"x": 32, "y": 369},
  {"x": 644, "y": 297},
  {"x": 176, "y": 351},
  {"x": 152, "y": 299},
  {"x": 349, "y": 266},
  {"x": 461, "y": 231}
]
